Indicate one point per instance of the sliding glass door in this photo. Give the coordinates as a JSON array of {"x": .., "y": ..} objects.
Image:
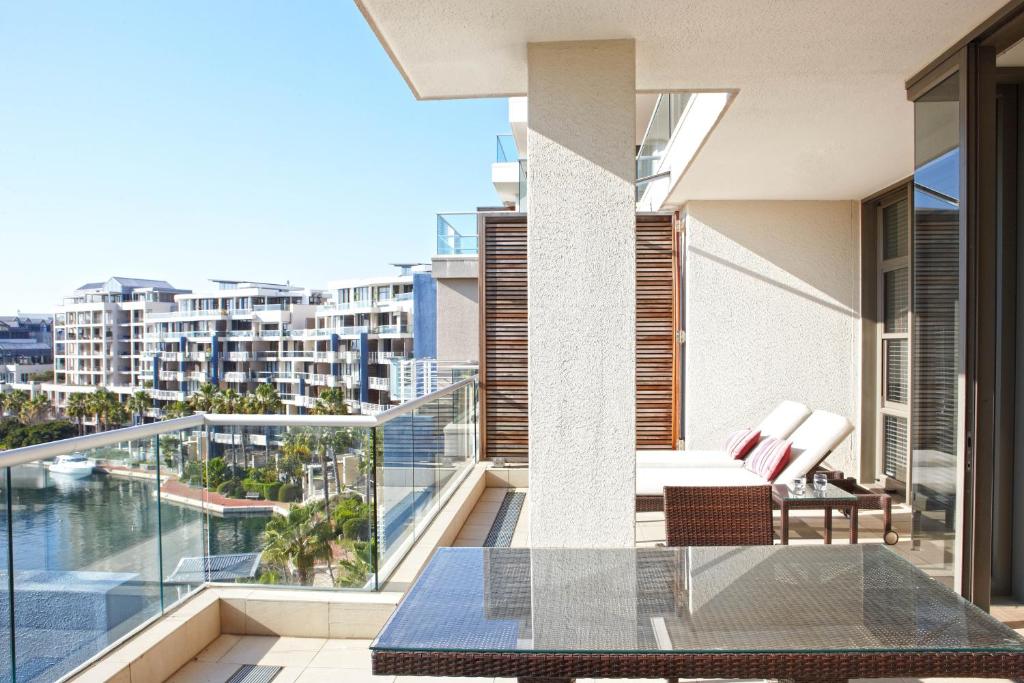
[{"x": 937, "y": 359}]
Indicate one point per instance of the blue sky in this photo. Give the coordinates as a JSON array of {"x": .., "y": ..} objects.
[{"x": 187, "y": 140}]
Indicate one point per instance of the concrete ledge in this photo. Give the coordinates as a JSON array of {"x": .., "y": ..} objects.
[
  {"x": 304, "y": 613},
  {"x": 168, "y": 644}
]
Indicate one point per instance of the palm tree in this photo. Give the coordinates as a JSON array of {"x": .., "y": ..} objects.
[
  {"x": 177, "y": 409},
  {"x": 330, "y": 402},
  {"x": 299, "y": 540},
  {"x": 13, "y": 401},
  {"x": 77, "y": 408},
  {"x": 34, "y": 410},
  {"x": 265, "y": 400},
  {"x": 203, "y": 399},
  {"x": 138, "y": 403},
  {"x": 101, "y": 405},
  {"x": 229, "y": 402}
]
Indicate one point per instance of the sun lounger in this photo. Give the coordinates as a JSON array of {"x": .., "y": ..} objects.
[
  {"x": 779, "y": 423},
  {"x": 812, "y": 441}
]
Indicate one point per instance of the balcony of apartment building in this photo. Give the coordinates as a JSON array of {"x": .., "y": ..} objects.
[{"x": 822, "y": 252}]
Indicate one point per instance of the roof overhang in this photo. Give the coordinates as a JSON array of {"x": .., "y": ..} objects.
[{"x": 820, "y": 110}]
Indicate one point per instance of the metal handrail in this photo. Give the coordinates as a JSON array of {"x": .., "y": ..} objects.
[{"x": 43, "y": 451}]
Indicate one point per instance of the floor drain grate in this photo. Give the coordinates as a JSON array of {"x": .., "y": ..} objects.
[
  {"x": 500, "y": 535},
  {"x": 254, "y": 673}
]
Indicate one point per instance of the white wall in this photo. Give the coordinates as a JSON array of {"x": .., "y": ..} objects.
[
  {"x": 581, "y": 250},
  {"x": 458, "y": 319},
  {"x": 772, "y": 313}
]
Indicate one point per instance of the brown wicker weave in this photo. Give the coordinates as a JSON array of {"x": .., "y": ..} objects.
[
  {"x": 794, "y": 666},
  {"x": 869, "y": 500},
  {"x": 718, "y": 515}
]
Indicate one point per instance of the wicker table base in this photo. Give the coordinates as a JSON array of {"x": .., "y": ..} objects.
[{"x": 800, "y": 667}]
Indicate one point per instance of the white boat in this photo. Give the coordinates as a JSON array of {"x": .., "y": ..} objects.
[{"x": 76, "y": 466}]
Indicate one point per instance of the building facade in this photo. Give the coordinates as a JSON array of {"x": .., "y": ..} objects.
[
  {"x": 26, "y": 347},
  {"x": 130, "y": 335}
]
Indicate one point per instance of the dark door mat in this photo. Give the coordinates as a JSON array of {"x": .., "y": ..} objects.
[
  {"x": 500, "y": 535},
  {"x": 254, "y": 673}
]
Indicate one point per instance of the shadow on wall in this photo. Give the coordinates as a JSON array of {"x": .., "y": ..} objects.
[{"x": 788, "y": 235}]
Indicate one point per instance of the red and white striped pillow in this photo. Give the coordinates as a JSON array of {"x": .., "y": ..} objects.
[
  {"x": 740, "y": 442},
  {"x": 769, "y": 458}
]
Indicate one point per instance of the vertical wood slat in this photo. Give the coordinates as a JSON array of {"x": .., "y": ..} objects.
[
  {"x": 503, "y": 358},
  {"x": 503, "y": 324},
  {"x": 655, "y": 332}
]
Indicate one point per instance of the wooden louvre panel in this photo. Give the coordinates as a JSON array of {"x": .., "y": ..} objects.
[
  {"x": 503, "y": 305},
  {"x": 504, "y": 336},
  {"x": 655, "y": 331}
]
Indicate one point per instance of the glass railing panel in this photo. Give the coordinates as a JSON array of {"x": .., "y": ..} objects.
[
  {"x": 183, "y": 514},
  {"x": 506, "y": 151},
  {"x": 294, "y": 503},
  {"x": 422, "y": 456},
  {"x": 456, "y": 234},
  {"x": 395, "y": 472},
  {"x": 86, "y": 554}
]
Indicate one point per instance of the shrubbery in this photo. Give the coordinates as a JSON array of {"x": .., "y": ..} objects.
[
  {"x": 14, "y": 434},
  {"x": 356, "y": 529},
  {"x": 289, "y": 493}
]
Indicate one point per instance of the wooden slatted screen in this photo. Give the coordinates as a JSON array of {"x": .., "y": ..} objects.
[
  {"x": 503, "y": 335},
  {"x": 655, "y": 332},
  {"x": 503, "y": 338}
]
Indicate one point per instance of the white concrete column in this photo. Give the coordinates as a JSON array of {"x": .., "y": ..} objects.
[{"x": 582, "y": 304}]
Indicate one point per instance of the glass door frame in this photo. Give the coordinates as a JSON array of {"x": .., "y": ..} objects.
[{"x": 975, "y": 64}]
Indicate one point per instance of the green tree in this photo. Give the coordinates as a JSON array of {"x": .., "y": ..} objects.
[
  {"x": 298, "y": 541},
  {"x": 35, "y": 410},
  {"x": 330, "y": 402},
  {"x": 106, "y": 407},
  {"x": 13, "y": 401},
  {"x": 177, "y": 409},
  {"x": 202, "y": 400},
  {"x": 77, "y": 408},
  {"x": 138, "y": 403},
  {"x": 355, "y": 570}
]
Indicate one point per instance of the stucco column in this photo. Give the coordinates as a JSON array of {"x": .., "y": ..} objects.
[{"x": 581, "y": 249}]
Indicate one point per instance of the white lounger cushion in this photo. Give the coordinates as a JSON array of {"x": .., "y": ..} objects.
[
  {"x": 685, "y": 459},
  {"x": 652, "y": 481},
  {"x": 812, "y": 441},
  {"x": 779, "y": 423}
]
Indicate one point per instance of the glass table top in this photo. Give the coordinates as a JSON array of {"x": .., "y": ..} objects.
[
  {"x": 831, "y": 493},
  {"x": 855, "y": 598}
]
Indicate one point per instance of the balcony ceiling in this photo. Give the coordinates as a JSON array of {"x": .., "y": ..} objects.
[{"x": 820, "y": 113}]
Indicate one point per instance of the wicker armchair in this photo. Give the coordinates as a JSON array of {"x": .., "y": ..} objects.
[{"x": 718, "y": 515}]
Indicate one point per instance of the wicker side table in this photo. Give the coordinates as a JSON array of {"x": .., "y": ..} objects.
[{"x": 832, "y": 498}]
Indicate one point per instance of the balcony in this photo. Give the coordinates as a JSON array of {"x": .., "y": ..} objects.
[
  {"x": 457, "y": 234},
  {"x": 378, "y": 383},
  {"x": 101, "y": 596},
  {"x": 505, "y": 171}
]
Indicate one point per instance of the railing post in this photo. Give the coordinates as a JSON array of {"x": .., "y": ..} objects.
[
  {"x": 10, "y": 569},
  {"x": 159, "y": 526}
]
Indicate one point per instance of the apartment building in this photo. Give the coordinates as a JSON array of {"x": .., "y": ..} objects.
[
  {"x": 131, "y": 334},
  {"x": 225, "y": 336},
  {"x": 98, "y": 335},
  {"x": 26, "y": 347}
]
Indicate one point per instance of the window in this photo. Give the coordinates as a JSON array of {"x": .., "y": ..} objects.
[{"x": 895, "y": 366}]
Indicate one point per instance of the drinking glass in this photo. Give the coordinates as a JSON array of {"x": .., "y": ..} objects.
[
  {"x": 799, "y": 485},
  {"x": 820, "y": 481}
]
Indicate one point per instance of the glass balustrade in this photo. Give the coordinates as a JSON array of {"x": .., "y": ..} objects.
[{"x": 109, "y": 530}]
